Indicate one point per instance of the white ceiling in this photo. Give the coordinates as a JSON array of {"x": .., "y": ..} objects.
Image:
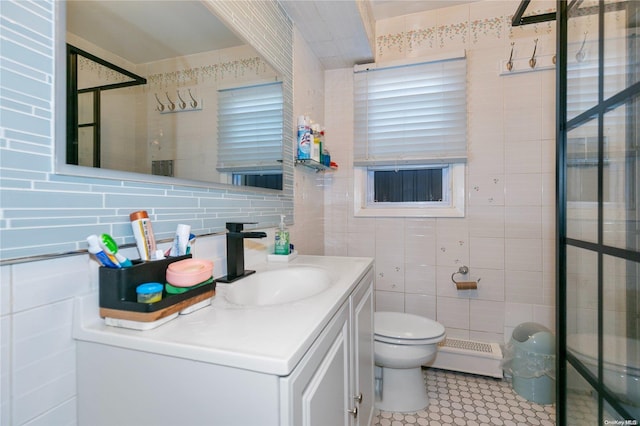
[
  {"x": 141, "y": 32},
  {"x": 145, "y": 31},
  {"x": 336, "y": 30},
  {"x": 333, "y": 29},
  {"x": 383, "y": 9}
]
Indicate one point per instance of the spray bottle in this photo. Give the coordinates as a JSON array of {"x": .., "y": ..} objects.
[{"x": 304, "y": 140}]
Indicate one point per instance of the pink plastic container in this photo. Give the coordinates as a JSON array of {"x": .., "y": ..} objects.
[{"x": 189, "y": 272}]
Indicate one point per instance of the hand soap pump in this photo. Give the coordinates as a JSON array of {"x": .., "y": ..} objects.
[{"x": 282, "y": 238}]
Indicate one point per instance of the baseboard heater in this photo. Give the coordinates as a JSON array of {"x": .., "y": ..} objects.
[{"x": 468, "y": 356}]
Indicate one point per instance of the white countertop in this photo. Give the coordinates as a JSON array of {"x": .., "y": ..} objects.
[{"x": 269, "y": 339}]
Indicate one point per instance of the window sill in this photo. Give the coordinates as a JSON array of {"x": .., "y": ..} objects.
[{"x": 448, "y": 211}]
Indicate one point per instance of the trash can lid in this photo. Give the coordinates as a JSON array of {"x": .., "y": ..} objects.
[{"x": 534, "y": 337}]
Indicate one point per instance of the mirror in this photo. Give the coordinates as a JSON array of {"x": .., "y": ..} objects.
[{"x": 164, "y": 88}]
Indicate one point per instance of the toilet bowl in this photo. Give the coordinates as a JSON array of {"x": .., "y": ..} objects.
[
  {"x": 402, "y": 344},
  {"x": 620, "y": 366}
]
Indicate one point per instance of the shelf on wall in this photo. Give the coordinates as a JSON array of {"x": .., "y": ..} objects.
[{"x": 313, "y": 164}]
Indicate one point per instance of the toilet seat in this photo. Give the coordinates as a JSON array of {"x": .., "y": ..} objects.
[{"x": 407, "y": 329}]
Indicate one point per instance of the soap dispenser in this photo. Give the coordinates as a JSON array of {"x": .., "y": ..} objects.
[{"x": 282, "y": 238}]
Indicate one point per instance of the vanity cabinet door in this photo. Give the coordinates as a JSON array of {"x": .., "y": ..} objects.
[
  {"x": 362, "y": 390},
  {"x": 316, "y": 392}
]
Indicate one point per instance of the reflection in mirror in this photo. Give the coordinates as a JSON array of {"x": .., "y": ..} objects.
[
  {"x": 153, "y": 90},
  {"x": 84, "y": 91}
]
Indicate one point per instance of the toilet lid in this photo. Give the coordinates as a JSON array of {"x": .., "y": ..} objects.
[{"x": 398, "y": 325}]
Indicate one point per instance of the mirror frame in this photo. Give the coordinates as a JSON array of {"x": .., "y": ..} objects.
[{"x": 282, "y": 65}]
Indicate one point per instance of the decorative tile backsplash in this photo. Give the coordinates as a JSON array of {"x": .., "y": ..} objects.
[
  {"x": 453, "y": 35},
  {"x": 487, "y": 27},
  {"x": 213, "y": 72},
  {"x": 104, "y": 75}
]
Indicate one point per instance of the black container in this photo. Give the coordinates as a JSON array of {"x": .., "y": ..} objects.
[{"x": 118, "y": 286}]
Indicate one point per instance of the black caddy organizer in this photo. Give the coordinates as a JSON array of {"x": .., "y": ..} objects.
[{"x": 118, "y": 286}]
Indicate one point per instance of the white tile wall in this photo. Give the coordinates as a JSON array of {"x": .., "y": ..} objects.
[
  {"x": 507, "y": 235},
  {"x": 389, "y": 301},
  {"x": 420, "y": 304},
  {"x": 38, "y": 352},
  {"x": 307, "y": 234}
]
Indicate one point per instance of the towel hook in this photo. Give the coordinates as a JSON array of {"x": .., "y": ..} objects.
[
  {"x": 532, "y": 61},
  {"x": 193, "y": 102},
  {"x": 172, "y": 106},
  {"x": 510, "y": 62},
  {"x": 182, "y": 103},
  {"x": 581, "y": 53},
  {"x": 160, "y": 106}
]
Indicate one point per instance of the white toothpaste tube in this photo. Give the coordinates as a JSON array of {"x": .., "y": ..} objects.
[{"x": 181, "y": 240}]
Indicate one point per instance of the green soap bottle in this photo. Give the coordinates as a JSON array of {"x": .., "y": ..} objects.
[{"x": 282, "y": 238}]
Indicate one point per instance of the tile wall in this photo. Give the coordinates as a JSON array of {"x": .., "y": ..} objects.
[
  {"x": 308, "y": 204},
  {"x": 507, "y": 235}
]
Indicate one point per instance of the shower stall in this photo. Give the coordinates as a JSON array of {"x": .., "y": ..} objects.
[{"x": 598, "y": 216}]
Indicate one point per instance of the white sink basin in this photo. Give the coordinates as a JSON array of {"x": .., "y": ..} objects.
[{"x": 279, "y": 286}]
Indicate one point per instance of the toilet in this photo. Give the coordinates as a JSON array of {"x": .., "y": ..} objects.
[{"x": 402, "y": 344}]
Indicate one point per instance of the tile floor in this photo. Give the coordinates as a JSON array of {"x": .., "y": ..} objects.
[{"x": 470, "y": 400}]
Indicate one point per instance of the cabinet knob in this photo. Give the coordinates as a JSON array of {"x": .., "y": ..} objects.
[
  {"x": 353, "y": 412},
  {"x": 358, "y": 398}
]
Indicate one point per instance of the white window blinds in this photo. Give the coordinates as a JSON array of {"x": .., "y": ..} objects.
[
  {"x": 250, "y": 121},
  {"x": 411, "y": 114}
]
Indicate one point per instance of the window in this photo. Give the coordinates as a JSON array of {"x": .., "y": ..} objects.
[
  {"x": 269, "y": 181},
  {"x": 410, "y": 142},
  {"x": 250, "y": 122},
  {"x": 408, "y": 186}
]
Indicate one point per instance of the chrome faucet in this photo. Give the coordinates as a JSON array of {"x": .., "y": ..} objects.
[{"x": 235, "y": 251}]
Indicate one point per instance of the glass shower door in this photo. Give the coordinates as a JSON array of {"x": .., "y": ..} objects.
[{"x": 599, "y": 212}]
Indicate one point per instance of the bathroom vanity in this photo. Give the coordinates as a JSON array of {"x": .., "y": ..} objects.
[{"x": 302, "y": 362}]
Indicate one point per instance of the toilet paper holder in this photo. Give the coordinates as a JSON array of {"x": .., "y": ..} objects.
[{"x": 464, "y": 285}]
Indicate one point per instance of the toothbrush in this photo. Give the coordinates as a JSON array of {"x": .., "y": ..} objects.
[
  {"x": 100, "y": 255},
  {"x": 192, "y": 239},
  {"x": 111, "y": 248}
]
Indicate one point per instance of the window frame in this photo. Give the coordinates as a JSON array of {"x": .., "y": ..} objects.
[{"x": 452, "y": 206}]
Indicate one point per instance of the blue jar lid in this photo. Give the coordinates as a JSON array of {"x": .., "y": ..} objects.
[{"x": 147, "y": 288}]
